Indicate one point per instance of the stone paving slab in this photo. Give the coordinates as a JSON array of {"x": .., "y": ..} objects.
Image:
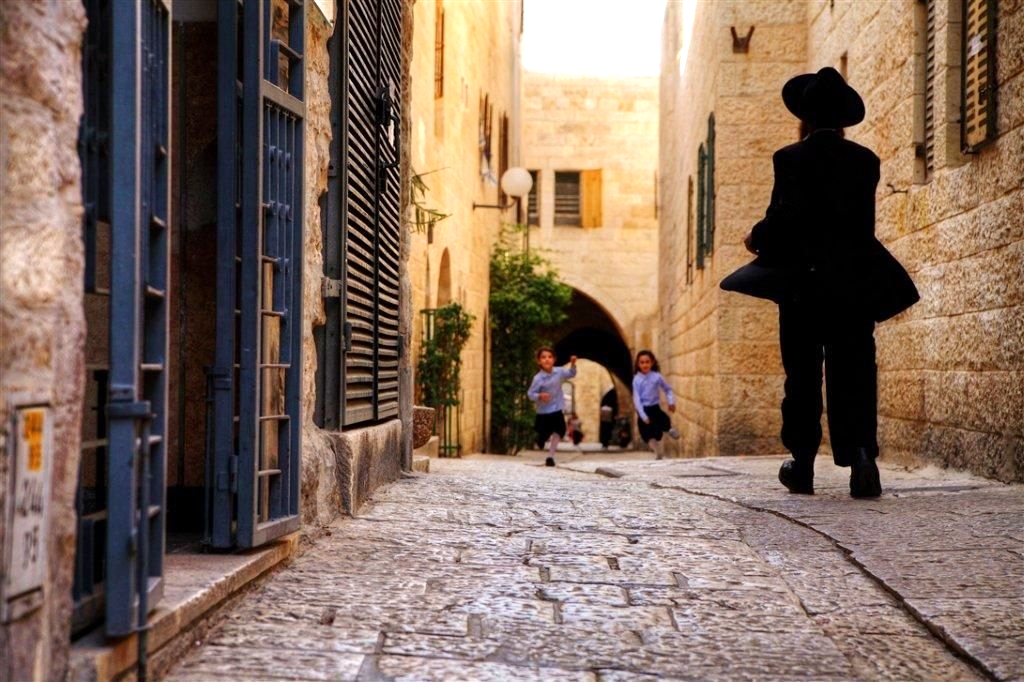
[
  {"x": 935, "y": 537},
  {"x": 502, "y": 569}
]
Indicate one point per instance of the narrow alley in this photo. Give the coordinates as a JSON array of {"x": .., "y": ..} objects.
[{"x": 615, "y": 566}]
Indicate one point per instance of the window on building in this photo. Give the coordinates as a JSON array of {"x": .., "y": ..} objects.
[
  {"x": 361, "y": 287},
  {"x": 706, "y": 195},
  {"x": 532, "y": 202},
  {"x": 924, "y": 90},
  {"x": 439, "y": 50},
  {"x": 978, "y": 84},
  {"x": 702, "y": 157},
  {"x": 567, "y": 198},
  {"x": 503, "y": 147},
  {"x": 689, "y": 230},
  {"x": 578, "y": 198}
]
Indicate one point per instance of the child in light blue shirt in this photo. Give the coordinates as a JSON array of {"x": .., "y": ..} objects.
[
  {"x": 546, "y": 393},
  {"x": 648, "y": 385}
]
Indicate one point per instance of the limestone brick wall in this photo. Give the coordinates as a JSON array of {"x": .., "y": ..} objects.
[
  {"x": 41, "y": 270},
  {"x": 722, "y": 349},
  {"x": 575, "y": 123},
  {"x": 480, "y": 59},
  {"x": 951, "y": 369}
]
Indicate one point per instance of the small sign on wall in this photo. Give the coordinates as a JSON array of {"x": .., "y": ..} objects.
[{"x": 25, "y": 560}]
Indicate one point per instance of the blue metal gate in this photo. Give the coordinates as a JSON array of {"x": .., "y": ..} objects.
[
  {"x": 256, "y": 380},
  {"x": 126, "y": 187}
]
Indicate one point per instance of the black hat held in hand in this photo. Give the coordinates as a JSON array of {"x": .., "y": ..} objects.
[{"x": 823, "y": 99}]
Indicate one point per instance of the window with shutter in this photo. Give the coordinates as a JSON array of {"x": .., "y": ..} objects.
[
  {"x": 503, "y": 165},
  {"x": 439, "y": 50},
  {"x": 701, "y": 205},
  {"x": 532, "y": 203},
  {"x": 978, "y": 80},
  {"x": 371, "y": 223},
  {"x": 567, "y": 198},
  {"x": 709, "y": 190},
  {"x": 924, "y": 90},
  {"x": 590, "y": 181},
  {"x": 689, "y": 230}
]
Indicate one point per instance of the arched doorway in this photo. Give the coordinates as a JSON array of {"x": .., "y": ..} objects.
[{"x": 593, "y": 335}]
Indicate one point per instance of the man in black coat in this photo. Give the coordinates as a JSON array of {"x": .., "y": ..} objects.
[{"x": 819, "y": 231}]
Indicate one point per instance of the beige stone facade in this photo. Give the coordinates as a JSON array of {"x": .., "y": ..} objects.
[
  {"x": 950, "y": 368},
  {"x": 450, "y": 262},
  {"x": 576, "y": 123}
]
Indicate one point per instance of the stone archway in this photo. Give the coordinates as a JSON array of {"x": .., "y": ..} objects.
[{"x": 590, "y": 332}]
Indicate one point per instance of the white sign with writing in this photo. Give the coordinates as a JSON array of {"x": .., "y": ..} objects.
[{"x": 25, "y": 559}]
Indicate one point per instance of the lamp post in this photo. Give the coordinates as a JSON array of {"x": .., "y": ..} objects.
[{"x": 515, "y": 182}]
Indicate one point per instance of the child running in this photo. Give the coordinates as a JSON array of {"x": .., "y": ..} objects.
[
  {"x": 647, "y": 384},
  {"x": 546, "y": 393}
]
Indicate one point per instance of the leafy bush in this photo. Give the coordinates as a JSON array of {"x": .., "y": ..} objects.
[
  {"x": 526, "y": 300},
  {"x": 437, "y": 373}
]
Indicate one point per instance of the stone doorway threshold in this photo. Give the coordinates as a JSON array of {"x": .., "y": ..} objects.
[{"x": 197, "y": 588}]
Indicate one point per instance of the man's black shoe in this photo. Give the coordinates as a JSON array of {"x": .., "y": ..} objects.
[
  {"x": 864, "y": 478},
  {"x": 798, "y": 478},
  {"x": 549, "y": 462}
]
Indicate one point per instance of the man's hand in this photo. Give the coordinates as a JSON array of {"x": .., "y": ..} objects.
[
  {"x": 544, "y": 396},
  {"x": 572, "y": 360}
]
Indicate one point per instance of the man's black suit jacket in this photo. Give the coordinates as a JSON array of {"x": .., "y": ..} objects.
[{"x": 820, "y": 228}]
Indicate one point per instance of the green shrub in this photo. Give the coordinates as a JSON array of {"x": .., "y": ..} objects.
[{"x": 526, "y": 300}]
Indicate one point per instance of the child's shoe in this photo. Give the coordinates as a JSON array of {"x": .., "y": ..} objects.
[
  {"x": 549, "y": 462},
  {"x": 674, "y": 432}
]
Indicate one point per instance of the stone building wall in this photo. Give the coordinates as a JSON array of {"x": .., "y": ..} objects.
[
  {"x": 951, "y": 369},
  {"x": 721, "y": 350},
  {"x": 41, "y": 267},
  {"x": 576, "y": 123},
  {"x": 451, "y": 264},
  {"x": 950, "y": 380}
]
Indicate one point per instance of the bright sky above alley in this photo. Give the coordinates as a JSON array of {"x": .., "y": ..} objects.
[{"x": 593, "y": 37}]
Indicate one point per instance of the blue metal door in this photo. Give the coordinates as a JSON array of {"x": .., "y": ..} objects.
[
  {"x": 126, "y": 188},
  {"x": 256, "y": 380}
]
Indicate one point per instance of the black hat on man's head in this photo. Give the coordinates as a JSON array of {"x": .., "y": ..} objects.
[{"x": 823, "y": 99}]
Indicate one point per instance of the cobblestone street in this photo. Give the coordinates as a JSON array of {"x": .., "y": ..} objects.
[{"x": 614, "y": 567}]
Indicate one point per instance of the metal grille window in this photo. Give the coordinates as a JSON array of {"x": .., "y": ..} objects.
[
  {"x": 702, "y": 157},
  {"x": 359, "y": 344},
  {"x": 439, "y": 50},
  {"x": 125, "y": 162},
  {"x": 532, "y": 203},
  {"x": 253, "y": 487},
  {"x": 979, "y": 74}
]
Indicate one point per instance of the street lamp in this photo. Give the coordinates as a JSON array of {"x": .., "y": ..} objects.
[{"x": 515, "y": 182}]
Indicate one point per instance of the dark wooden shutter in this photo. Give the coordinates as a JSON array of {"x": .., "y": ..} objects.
[
  {"x": 979, "y": 75},
  {"x": 372, "y": 223},
  {"x": 929, "y": 90},
  {"x": 709, "y": 190},
  {"x": 532, "y": 201},
  {"x": 702, "y": 160}
]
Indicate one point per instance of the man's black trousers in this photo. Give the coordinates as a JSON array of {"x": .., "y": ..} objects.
[{"x": 811, "y": 333}]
